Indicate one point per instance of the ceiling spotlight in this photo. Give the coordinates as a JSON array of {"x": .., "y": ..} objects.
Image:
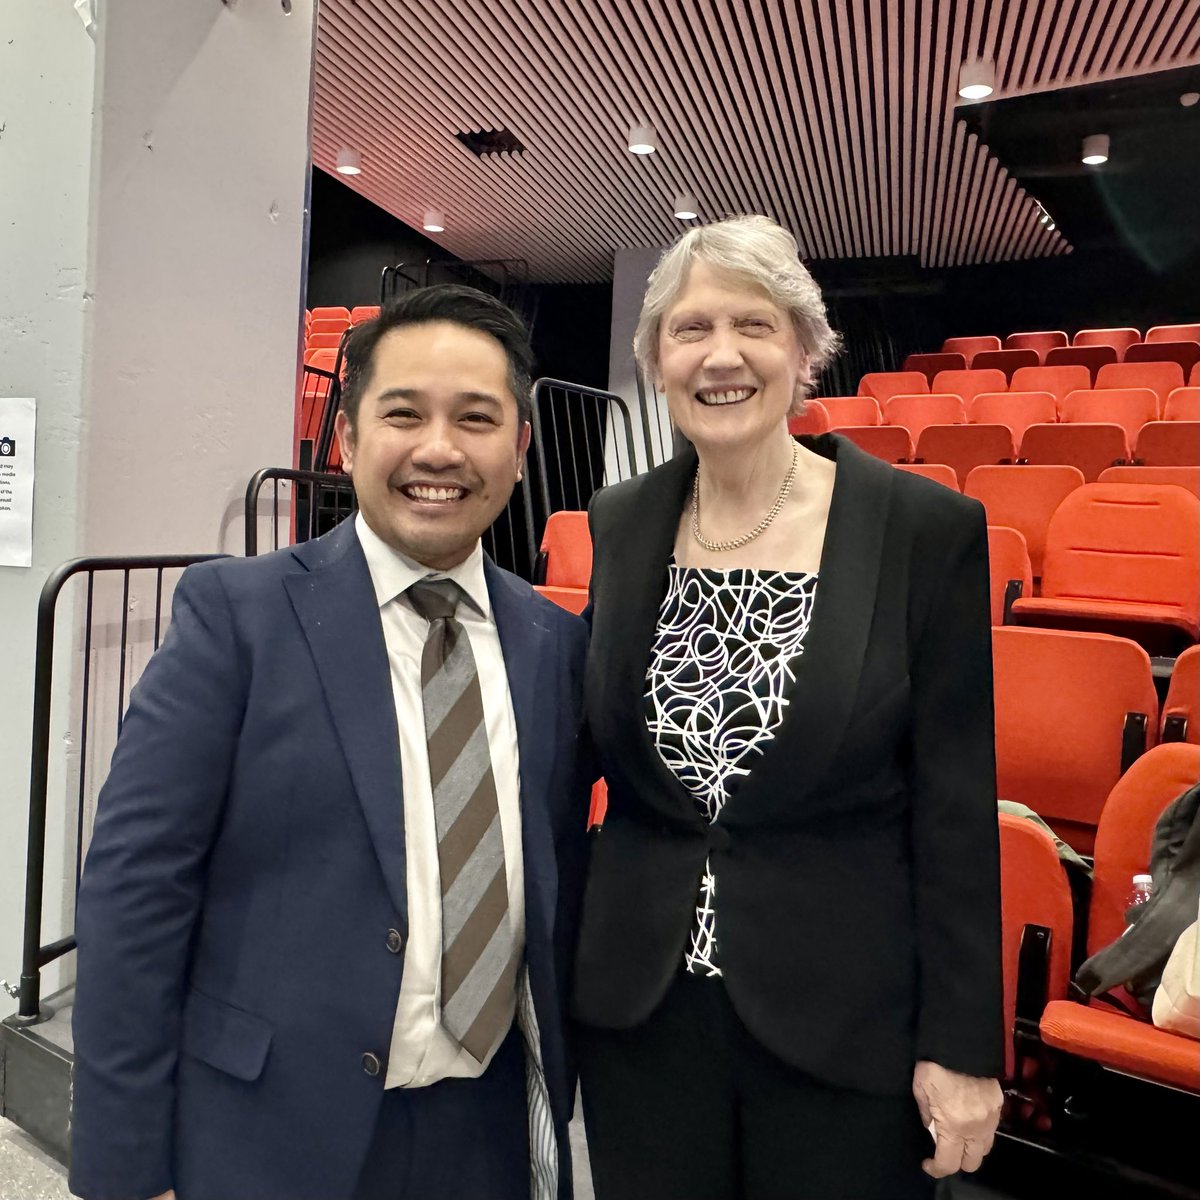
[
  {"x": 687, "y": 208},
  {"x": 1051, "y": 227},
  {"x": 349, "y": 162},
  {"x": 1045, "y": 217},
  {"x": 1095, "y": 149},
  {"x": 977, "y": 79},
  {"x": 434, "y": 222},
  {"x": 1189, "y": 98},
  {"x": 642, "y": 140}
]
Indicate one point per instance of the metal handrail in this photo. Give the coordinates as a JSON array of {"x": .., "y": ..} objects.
[
  {"x": 289, "y": 475},
  {"x": 35, "y": 955}
]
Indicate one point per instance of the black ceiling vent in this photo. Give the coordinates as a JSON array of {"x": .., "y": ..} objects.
[{"x": 490, "y": 141}]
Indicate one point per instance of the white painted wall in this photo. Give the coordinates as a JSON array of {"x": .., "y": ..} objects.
[{"x": 181, "y": 202}]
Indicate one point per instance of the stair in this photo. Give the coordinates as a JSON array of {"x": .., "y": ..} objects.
[{"x": 36, "y": 1062}]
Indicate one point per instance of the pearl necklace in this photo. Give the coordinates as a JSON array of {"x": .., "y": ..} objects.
[{"x": 780, "y": 500}]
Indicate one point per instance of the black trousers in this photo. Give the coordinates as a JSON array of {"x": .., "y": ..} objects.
[
  {"x": 460, "y": 1139},
  {"x": 689, "y": 1106}
]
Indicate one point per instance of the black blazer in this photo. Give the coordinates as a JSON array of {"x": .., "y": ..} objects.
[{"x": 858, "y": 910}]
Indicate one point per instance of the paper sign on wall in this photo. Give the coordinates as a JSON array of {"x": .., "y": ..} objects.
[{"x": 17, "y": 421}]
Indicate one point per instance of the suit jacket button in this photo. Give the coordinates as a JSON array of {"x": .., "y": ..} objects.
[
  {"x": 371, "y": 1064},
  {"x": 395, "y": 943}
]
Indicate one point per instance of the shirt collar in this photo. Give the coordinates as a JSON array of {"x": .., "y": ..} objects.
[{"x": 393, "y": 572}]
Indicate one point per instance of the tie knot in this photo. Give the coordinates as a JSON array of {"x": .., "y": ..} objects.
[{"x": 435, "y": 599}]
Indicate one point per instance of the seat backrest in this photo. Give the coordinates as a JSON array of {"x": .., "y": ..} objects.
[
  {"x": 1173, "y": 333},
  {"x": 1130, "y": 408},
  {"x": 930, "y": 364},
  {"x": 1092, "y": 357},
  {"x": 323, "y": 341},
  {"x": 1183, "y": 404},
  {"x": 1169, "y": 444},
  {"x": 892, "y": 443},
  {"x": 1183, "y": 695},
  {"x": 1007, "y": 361},
  {"x": 915, "y": 412},
  {"x": 1023, "y": 498},
  {"x": 1008, "y": 558},
  {"x": 327, "y": 325},
  {"x": 1194, "y": 376},
  {"x": 968, "y": 347},
  {"x": 1041, "y": 341},
  {"x": 363, "y": 312},
  {"x": 965, "y": 447},
  {"x": 1091, "y": 448},
  {"x": 852, "y": 410},
  {"x": 1126, "y": 832},
  {"x": 1058, "y": 381},
  {"x": 885, "y": 384},
  {"x": 968, "y": 384},
  {"x": 335, "y": 312},
  {"x": 1114, "y": 541},
  {"x": 814, "y": 419},
  {"x": 1186, "y": 354},
  {"x": 572, "y": 599},
  {"x": 1061, "y": 700},
  {"x": 1160, "y": 377},
  {"x": 1118, "y": 338},
  {"x": 567, "y": 545},
  {"x": 1017, "y": 410},
  {"x": 1033, "y": 891},
  {"x": 1185, "y": 477},
  {"x": 938, "y": 472}
]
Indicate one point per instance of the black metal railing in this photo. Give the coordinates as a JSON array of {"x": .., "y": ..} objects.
[
  {"x": 658, "y": 432},
  {"x": 505, "y": 278},
  {"x": 304, "y": 505},
  {"x": 119, "y": 572},
  {"x": 320, "y": 396}
]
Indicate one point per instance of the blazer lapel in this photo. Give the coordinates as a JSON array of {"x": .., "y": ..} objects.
[
  {"x": 827, "y": 677},
  {"x": 334, "y": 601},
  {"x": 526, "y": 645}
]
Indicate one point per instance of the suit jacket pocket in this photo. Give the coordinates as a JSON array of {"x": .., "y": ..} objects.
[{"x": 224, "y": 1037}]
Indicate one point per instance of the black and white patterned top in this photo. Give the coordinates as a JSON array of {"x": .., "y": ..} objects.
[{"x": 724, "y": 656}]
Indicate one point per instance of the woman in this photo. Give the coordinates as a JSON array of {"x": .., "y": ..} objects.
[{"x": 791, "y": 925}]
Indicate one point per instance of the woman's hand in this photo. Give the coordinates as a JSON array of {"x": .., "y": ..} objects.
[{"x": 965, "y": 1111}]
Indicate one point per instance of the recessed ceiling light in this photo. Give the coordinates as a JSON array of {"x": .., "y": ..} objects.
[
  {"x": 1095, "y": 149},
  {"x": 687, "y": 208},
  {"x": 349, "y": 162},
  {"x": 1051, "y": 227},
  {"x": 977, "y": 79},
  {"x": 434, "y": 222},
  {"x": 642, "y": 140},
  {"x": 1189, "y": 98}
]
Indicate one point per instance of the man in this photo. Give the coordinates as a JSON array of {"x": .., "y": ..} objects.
[{"x": 330, "y": 898}]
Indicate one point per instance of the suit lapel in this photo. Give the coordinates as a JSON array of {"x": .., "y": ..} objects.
[
  {"x": 334, "y": 601},
  {"x": 822, "y": 698},
  {"x": 526, "y": 645}
]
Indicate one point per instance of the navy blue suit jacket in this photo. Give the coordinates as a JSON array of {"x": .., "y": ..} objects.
[{"x": 248, "y": 863}]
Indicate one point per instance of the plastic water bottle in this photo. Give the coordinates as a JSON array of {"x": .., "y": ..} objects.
[{"x": 1140, "y": 893}]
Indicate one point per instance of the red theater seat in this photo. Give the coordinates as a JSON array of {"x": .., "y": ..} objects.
[
  {"x": 1058, "y": 381},
  {"x": 1130, "y": 408},
  {"x": 883, "y": 385},
  {"x": 1169, "y": 444},
  {"x": 1069, "y": 707},
  {"x": 965, "y": 447},
  {"x": 1185, "y": 477},
  {"x": 889, "y": 442},
  {"x": 1017, "y": 410},
  {"x": 930, "y": 364},
  {"x": 1160, "y": 377},
  {"x": 331, "y": 313},
  {"x": 852, "y": 410},
  {"x": 1122, "y": 560},
  {"x": 1007, "y": 361},
  {"x": 1181, "y": 709},
  {"x": 1173, "y": 333},
  {"x": 1185, "y": 354},
  {"x": 916, "y": 412},
  {"x": 1023, "y": 498},
  {"x": 814, "y": 419},
  {"x": 323, "y": 341},
  {"x": 1183, "y": 404},
  {"x": 1122, "y": 843},
  {"x": 1040, "y": 342},
  {"x": 968, "y": 347},
  {"x": 1091, "y": 448},
  {"x": 364, "y": 312},
  {"x": 1092, "y": 357},
  {"x": 1008, "y": 564},
  {"x": 567, "y": 546},
  {"x": 1118, "y": 339},
  {"x": 935, "y": 471},
  {"x": 969, "y": 384}
]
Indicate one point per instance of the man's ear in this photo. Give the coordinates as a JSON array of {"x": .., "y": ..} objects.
[
  {"x": 523, "y": 439},
  {"x": 344, "y": 430}
]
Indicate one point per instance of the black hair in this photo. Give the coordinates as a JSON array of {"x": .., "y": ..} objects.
[{"x": 453, "y": 302}]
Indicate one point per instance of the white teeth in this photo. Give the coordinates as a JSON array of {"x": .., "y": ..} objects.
[
  {"x": 728, "y": 397},
  {"x": 432, "y": 493}
]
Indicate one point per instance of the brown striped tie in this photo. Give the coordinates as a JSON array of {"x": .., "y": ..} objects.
[{"x": 479, "y": 961}]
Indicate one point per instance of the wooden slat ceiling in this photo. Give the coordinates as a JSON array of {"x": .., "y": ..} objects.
[{"x": 837, "y": 117}]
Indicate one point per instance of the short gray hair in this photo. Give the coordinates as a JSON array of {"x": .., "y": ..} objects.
[{"x": 759, "y": 251}]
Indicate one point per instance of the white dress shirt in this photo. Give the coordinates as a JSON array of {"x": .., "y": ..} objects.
[{"x": 422, "y": 1051}]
